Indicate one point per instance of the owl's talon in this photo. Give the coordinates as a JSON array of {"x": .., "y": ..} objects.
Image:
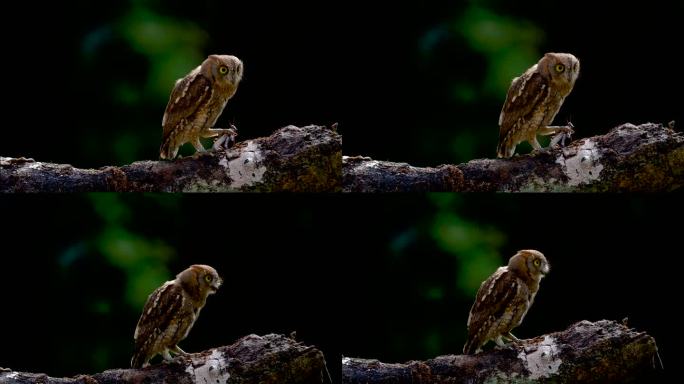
[
  {"x": 178, "y": 351},
  {"x": 561, "y": 137},
  {"x": 226, "y": 140}
]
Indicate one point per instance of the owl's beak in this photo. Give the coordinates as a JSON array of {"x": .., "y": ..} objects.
[
  {"x": 216, "y": 285},
  {"x": 546, "y": 269}
]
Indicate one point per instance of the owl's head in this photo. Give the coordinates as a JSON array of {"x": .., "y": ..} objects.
[
  {"x": 529, "y": 263},
  {"x": 560, "y": 68},
  {"x": 225, "y": 70},
  {"x": 201, "y": 280}
]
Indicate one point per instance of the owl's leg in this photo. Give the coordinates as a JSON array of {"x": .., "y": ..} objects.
[
  {"x": 499, "y": 341},
  {"x": 535, "y": 144},
  {"x": 166, "y": 355},
  {"x": 198, "y": 146},
  {"x": 213, "y": 132},
  {"x": 552, "y": 129}
]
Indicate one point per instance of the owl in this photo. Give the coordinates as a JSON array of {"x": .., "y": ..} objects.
[
  {"x": 533, "y": 100},
  {"x": 170, "y": 312},
  {"x": 197, "y": 100},
  {"x": 503, "y": 300}
]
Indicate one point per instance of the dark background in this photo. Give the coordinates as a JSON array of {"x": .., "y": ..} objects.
[{"x": 422, "y": 83}]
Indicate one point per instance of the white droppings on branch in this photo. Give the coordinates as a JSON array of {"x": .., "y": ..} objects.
[
  {"x": 543, "y": 361},
  {"x": 584, "y": 166},
  {"x": 247, "y": 169},
  {"x": 213, "y": 369},
  {"x": 12, "y": 375}
]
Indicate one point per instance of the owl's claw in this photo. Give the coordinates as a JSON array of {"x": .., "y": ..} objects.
[
  {"x": 563, "y": 134},
  {"x": 176, "y": 350},
  {"x": 226, "y": 140},
  {"x": 510, "y": 337}
]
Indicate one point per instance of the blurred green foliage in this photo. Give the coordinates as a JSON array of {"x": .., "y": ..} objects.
[
  {"x": 475, "y": 247},
  {"x": 141, "y": 259},
  {"x": 171, "y": 46},
  {"x": 439, "y": 261},
  {"x": 509, "y": 44},
  {"x": 475, "y": 52},
  {"x": 144, "y": 261}
]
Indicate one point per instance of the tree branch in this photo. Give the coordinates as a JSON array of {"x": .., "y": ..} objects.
[
  {"x": 648, "y": 157},
  {"x": 600, "y": 352},
  {"x": 252, "y": 359},
  {"x": 291, "y": 159}
]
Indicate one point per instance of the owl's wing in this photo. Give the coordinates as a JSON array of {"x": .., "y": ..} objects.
[
  {"x": 158, "y": 312},
  {"x": 524, "y": 94},
  {"x": 187, "y": 95},
  {"x": 494, "y": 296}
]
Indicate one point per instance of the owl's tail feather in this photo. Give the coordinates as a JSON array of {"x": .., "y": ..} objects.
[
  {"x": 470, "y": 346},
  {"x": 502, "y": 150},
  {"x": 138, "y": 360},
  {"x": 166, "y": 151}
]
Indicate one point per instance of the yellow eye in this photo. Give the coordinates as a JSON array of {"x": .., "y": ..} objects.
[
  {"x": 537, "y": 263},
  {"x": 560, "y": 68},
  {"x": 223, "y": 70},
  {"x": 208, "y": 278}
]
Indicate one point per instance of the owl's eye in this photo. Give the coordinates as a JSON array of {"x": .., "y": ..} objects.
[
  {"x": 223, "y": 70},
  {"x": 560, "y": 68},
  {"x": 208, "y": 278},
  {"x": 537, "y": 263}
]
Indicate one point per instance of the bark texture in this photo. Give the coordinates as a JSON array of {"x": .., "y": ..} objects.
[
  {"x": 586, "y": 352},
  {"x": 306, "y": 159},
  {"x": 629, "y": 158},
  {"x": 254, "y": 359}
]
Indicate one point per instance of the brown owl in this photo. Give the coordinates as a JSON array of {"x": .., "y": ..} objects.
[
  {"x": 170, "y": 312},
  {"x": 533, "y": 100},
  {"x": 197, "y": 101},
  {"x": 503, "y": 300}
]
